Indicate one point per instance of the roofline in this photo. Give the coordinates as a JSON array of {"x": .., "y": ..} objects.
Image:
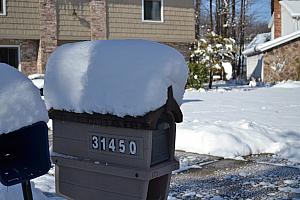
[
  {"x": 278, "y": 41},
  {"x": 294, "y": 15},
  {"x": 271, "y": 44}
]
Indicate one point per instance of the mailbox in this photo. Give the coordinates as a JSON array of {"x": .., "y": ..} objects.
[
  {"x": 24, "y": 154},
  {"x": 108, "y": 157}
]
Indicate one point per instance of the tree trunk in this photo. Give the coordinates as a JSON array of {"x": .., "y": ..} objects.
[
  {"x": 197, "y": 19},
  {"x": 210, "y": 78},
  {"x": 218, "y": 17},
  {"x": 225, "y": 13},
  {"x": 233, "y": 25},
  {"x": 242, "y": 35},
  {"x": 211, "y": 15}
]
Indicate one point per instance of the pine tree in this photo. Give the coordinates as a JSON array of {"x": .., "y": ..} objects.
[{"x": 212, "y": 52}]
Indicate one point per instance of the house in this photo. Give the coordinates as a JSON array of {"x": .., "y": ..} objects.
[
  {"x": 285, "y": 17},
  {"x": 30, "y": 30},
  {"x": 254, "y": 60},
  {"x": 278, "y": 59}
]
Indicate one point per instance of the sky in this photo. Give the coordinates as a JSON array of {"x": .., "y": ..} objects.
[{"x": 263, "y": 9}]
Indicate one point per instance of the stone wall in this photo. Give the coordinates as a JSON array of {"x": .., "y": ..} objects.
[
  {"x": 282, "y": 63},
  {"x": 28, "y": 54}
]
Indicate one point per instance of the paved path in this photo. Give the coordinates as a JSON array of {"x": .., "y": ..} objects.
[{"x": 232, "y": 179}]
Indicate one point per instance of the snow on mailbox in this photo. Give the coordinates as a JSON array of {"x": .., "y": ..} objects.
[
  {"x": 114, "y": 105},
  {"x": 24, "y": 148}
]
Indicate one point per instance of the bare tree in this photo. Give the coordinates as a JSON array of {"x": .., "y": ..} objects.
[
  {"x": 241, "y": 36},
  {"x": 197, "y": 18},
  {"x": 224, "y": 16},
  {"x": 217, "y": 17},
  {"x": 233, "y": 25},
  {"x": 211, "y": 15}
]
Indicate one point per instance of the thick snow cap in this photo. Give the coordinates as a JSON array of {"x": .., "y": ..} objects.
[
  {"x": 20, "y": 101},
  {"x": 119, "y": 77}
]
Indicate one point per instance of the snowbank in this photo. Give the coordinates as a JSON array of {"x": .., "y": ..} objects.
[
  {"x": 288, "y": 84},
  {"x": 20, "y": 100},
  {"x": 120, "y": 77},
  {"x": 228, "y": 139},
  {"x": 241, "y": 122},
  {"x": 15, "y": 193}
]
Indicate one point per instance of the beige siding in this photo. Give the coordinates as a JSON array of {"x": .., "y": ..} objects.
[
  {"x": 70, "y": 26},
  {"x": 125, "y": 21},
  {"x": 21, "y": 20}
]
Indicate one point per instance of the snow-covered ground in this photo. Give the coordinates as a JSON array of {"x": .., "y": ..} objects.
[
  {"x": 239, "y": 121},
  {"x": 229, "y": 122}
]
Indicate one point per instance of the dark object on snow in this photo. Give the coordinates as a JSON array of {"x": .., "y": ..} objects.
[
  {"x": 128, "y": 158},
  {"x": 24, "y": 154}
]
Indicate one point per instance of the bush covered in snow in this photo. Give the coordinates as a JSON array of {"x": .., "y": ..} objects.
[
  {"x": 211, "y": 53},
  {"x": 198, "y": 75}
]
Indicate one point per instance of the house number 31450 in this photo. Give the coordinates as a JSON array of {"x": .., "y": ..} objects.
[{"x": 114, "y": 145}]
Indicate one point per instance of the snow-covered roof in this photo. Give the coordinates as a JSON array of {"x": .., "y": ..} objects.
[
  {"x": 259, "y": 39},
  {"x": 271, "y": 44},
  {"x": 292, "y": 6},
  {"x": 20, "y": 100},
  {"x": 120, "y": 77}
]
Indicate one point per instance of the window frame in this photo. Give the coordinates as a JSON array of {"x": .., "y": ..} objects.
[
  {"x": 3, "y": 7},
  {"x": 19, "y": 54},
  {"x": 161, "y": 13}
]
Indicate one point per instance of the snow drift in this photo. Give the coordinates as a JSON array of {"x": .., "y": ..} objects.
[
  {"x": 120, "y": 77},
  {"x": 20, "y": 100}
]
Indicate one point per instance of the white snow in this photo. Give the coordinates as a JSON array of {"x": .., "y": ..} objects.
[
  {"x": 36, "y": 76},
  {"x": 20, "y": 100},
  {"x": 120, "y": 77},
  {"x": 242, "y": 121},
  {"x": 228, "y": 69},
  {"x": 287, "y": 84},
  {"x": 257, "y": 40},
  {"x": 39, "y": 83},
  {"x": 43, "y": 188},
  {"x": 230, "y": 122},
  {"x": 15, "y": 193},
  {"x": 37, "y": 79}
]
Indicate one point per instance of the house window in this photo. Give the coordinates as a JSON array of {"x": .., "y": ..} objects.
[
  {"x": 9, "y": 55},
  {"x": 2, "y": 7},
  {"x": 152, "y": 10}
]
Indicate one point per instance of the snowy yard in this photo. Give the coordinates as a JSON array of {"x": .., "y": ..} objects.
[
  {"x": 237, "y": 121},
  {"x": 231, "y": 122}
]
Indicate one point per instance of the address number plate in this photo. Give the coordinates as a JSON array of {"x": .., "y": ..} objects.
[{"x": 114, "y": 145}]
